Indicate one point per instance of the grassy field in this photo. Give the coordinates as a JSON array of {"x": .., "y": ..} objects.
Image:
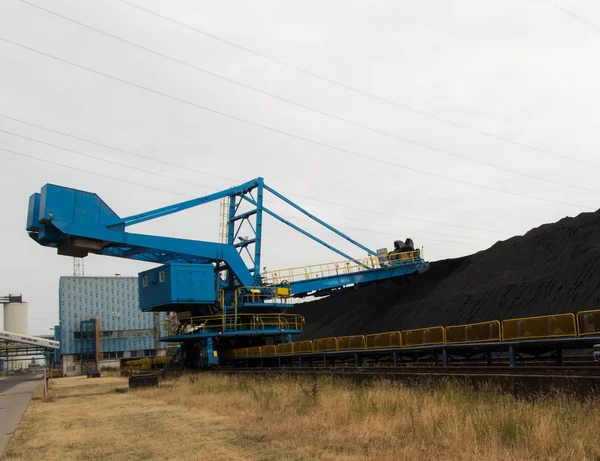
[{"x": 227, "y": 418}]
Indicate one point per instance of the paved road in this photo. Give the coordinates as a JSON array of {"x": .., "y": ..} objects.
[{"x": 15, "y": 394}]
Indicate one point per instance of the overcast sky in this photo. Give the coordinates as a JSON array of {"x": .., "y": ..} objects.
[{"x": 521, "y": 70}]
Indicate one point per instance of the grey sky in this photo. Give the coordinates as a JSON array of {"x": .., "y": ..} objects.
[{"x": 518, "y": 69}]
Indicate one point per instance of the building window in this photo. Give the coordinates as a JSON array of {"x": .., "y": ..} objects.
[
  {"x": 161, "y": 276},
  {"x": 145, "y": 281},
  {"x": 76, "y": 335},
  {"x": 114, "y": 334}
]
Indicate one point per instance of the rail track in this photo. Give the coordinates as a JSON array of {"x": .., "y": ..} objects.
[
  {"x": 581, "y": 380},
  {"x": 545, "y": 371}
]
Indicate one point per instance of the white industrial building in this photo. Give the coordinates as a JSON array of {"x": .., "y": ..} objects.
[{"x": 15, "y": 321}]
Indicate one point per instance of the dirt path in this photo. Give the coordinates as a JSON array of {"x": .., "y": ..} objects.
[{"x": 15, "y": 394}]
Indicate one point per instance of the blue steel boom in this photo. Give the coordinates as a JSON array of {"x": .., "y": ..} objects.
[{"x": 219, "y": 298}]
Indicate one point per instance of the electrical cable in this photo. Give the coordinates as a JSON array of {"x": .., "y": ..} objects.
[
  {"x": 358, "y": 90},
  {"x": 21, "y": 154},
  {"x": 573, "y": 15},
  {"x": 286, "y": 133},
  {"x": 237, "y": 181},
  {"x": 400, "y": 138}
]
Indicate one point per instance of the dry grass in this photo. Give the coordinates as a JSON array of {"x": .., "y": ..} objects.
[
  {"x": 85, "y": 419},
  {"x": 230, "y": 418}
]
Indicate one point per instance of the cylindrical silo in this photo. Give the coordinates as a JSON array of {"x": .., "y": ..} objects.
[{"x": 15, "y": 318}]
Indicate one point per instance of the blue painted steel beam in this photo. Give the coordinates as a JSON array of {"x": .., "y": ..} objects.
[
  {"x": 303, "y": 287},
  {"x": 244, "y": 215},
  {"x": 303, "y": 232},
  {"x": 244, "y": 243},
  {"x": 267, "y": 331},
  {"x": 320, "y": 221},
  {"x": 165, "y": 211},
  {"x": 209, "y": 251},
  {"x": 258, "y": 231}
]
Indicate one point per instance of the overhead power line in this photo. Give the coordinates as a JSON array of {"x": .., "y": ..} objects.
[
  {"x": 573, "y": 15},
  {"x": 287, "y": 133},
  {"x": 21, "y": 154},
  {"x": 102, "y": 159},
  {"x": 400, "y": 138},
  {"x": 360, "y": 91},
  {"x": 236, "y": 181},
  {"x": 122, "y": 165},
  {"x": 117, "y": 149}
]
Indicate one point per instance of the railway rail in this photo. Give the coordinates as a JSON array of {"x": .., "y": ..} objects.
[
  {"x": 535, "y": 371},
  {"x": 580, "y": 380}
]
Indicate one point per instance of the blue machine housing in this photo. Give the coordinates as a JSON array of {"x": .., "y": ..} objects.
[{"x": 177, "y": 287}]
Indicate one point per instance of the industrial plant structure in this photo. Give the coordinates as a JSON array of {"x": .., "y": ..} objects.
[
  {"x": 101, "y": 324},
  {"x": 15, "y": 320},
  {"x": 219, "y": 292},
  {"x": 19, "y": 352}
]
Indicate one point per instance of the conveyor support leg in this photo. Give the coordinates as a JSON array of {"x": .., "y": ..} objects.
[{"x": 513, "y": 356}]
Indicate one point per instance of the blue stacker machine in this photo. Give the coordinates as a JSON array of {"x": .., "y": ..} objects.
[{"x": 215, "y": 294}]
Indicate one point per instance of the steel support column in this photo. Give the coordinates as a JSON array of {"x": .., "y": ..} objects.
[{"x": 513, "y": 356}]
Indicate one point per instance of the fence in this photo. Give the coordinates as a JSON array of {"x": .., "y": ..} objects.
[
  {"x": 351, "y": 342},
  {"x": 325, "y": 344},
  {"x": 423, "y": 336},
  {"x": 474, "y": 332},
  {"x": 383, "y": 340},
  {"x": 545, "y": 326},
  {"x": 584, "y": 323}
]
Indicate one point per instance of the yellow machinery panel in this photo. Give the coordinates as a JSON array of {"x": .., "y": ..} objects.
[
  {"x": 282, "y": 292},
  {"x": 325, "y": 344},
  {"x": 383, "y": 340},
  {"x": 351, "y": 342},
  {"x": 588, "y": 322},
  {"x": 268, "y": 350},
  {"x": 474, "y": 332},
  {"x": 423, "y": 336},
  {"x": 303, "y": 347},
  {"x": 545, "y": 326}
]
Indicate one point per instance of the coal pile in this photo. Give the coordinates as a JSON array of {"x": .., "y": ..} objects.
[{"x": 554, "y": 268}]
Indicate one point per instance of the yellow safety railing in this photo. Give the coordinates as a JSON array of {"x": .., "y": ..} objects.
[
  {"x": 588, "y": 322},
  {"x": 383, "y": 340},
  {"x": 474, "y": 332},
  {"x": 295, "y": 274},
  {"x": 249, "y": 295},
  {"x": 303, "y": 347},
  {"x": 544, "y": 326},
  {"x": 239, "y": 322},
  {"x": 254, "y": 351},
  {"x": 325, "y": 344},
  {"x": 285, "y": 348},
  {"x": 268, "y": 350},
  {"x": 423, "y": 336},
  {"x": 351, "y": 342}
]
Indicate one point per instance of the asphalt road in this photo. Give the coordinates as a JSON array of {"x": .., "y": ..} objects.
[{"x": 15, "y": 394}]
